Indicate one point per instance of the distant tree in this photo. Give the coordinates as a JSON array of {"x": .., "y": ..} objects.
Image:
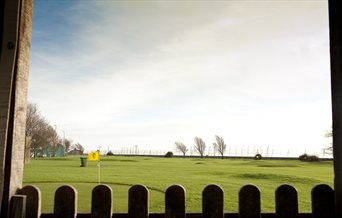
[
  {"x": 77, "y": 146},
  {"x": 181, "y": 147},
  {"x": 52, "y": 136},
  {"x": 39, "y": 133},
  {"x": 329, "y": 148},
  {"x": 67, "y": 144},
  {"x": 308, "y": 158},
  {"x": 219, "y": 145},
  {"x": 33, "y": 119},
  {"x": 257, "y": 157},
  {"x": 110, "y": 153},
  {"x": 199, "y": 146},
  {"x": 168, "y": 154}
]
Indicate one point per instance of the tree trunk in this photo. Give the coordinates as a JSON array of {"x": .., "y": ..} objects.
[{"x": 27, "y": 156}]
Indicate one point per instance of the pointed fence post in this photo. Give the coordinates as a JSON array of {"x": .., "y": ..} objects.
[
  {"x": 286, "y": 202},
  {"x": 212, "y": 202},
  {"x": 138, "y": 202},
  {"x": 175, "y": 202},
  {"x": 249, "y": 202},
  {"x": 323, "y": 200},
  {"x": 33, "y": 201},
  {"x": 65, "y": 202},
  {"x": 101, "y": 202}
]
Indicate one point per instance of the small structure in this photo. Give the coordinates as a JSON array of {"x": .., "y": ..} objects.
[
  {"x": 60, "y": 151},
  {"x": 48, "y": 151},
  {"x": 75, "y": 151}
]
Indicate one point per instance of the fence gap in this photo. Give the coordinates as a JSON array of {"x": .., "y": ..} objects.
[
  {"x": 33, "y": 201},
  {"x": 212, "y": 202},
  {"x": 138, "y": 202},
  {"x": 249, "y": 202},
  {"x": 175, "y": 202},
  {"x": 286, "y": 202},
  {"x": 322, "y": 199},
  {"x": 101, "y": 202},
  {"x": 65, "y": 202}
]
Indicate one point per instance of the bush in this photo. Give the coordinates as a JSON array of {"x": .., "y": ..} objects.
[
  {"x": 169, "y": 154},
  {"x": 110, "y": 153},
  {"x": 308, "y": 158},
  {"x": 257, "y": 157},
  {"x": 313, "y": 158},
  {"x": 303, "y": 157}
]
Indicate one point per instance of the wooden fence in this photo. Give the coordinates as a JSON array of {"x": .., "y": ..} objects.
[{"x": 28, "y": 203}]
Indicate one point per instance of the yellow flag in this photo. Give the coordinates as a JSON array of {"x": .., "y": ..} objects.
[{"x": 94, "y": 155}]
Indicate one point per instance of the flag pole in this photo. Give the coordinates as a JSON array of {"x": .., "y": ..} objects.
[
  {"x": 99, "y": 166},
  {"x": 99, "y": 170}
]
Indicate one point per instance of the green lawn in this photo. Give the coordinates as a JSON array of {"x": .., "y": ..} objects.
[{"x": 193, "y": 173}]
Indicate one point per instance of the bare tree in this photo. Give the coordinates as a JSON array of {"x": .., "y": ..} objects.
[
  {"x": 77, "y": 146},
  {"x": 67, "y": 144},
  {"x": 219, "y": 145},
  {"x": 36, "y": 127},
  {"x": 33, "y": 119},
  {"x": 39, "y": 133},
  {"x": 199, "y": 146},
  {"x": 181, "y": 147},
  {"x": 329, "y": 148}
]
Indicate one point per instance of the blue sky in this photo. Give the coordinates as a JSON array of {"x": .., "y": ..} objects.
[{"x": 150, "y": 73}]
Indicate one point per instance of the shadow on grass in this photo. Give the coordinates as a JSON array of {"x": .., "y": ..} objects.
[
  {"x": 118, "y": 160},
  {"x": 277, "y": 177},
  {"x": 95, "y": 183}
]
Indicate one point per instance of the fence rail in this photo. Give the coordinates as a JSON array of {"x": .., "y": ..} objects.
[{"x": 28, "y": 203}]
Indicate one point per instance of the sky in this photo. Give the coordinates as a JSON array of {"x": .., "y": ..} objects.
[{"x": 116, "y": 74}]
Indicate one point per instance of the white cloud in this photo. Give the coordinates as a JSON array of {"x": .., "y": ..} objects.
[{"x": 150, "y": 74}]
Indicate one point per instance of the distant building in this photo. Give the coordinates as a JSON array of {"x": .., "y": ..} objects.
[{"x": 75, "y": 151}]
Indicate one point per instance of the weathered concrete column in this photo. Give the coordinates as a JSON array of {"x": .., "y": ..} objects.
[
  {"x": 335, "y": 25},
  {"x": 16, "y": 25}
]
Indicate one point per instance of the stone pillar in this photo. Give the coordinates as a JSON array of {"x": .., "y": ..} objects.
[{"x": 16, "y": 26}]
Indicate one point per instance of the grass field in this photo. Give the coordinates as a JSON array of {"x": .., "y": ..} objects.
[{"x": 193, "y": 173}]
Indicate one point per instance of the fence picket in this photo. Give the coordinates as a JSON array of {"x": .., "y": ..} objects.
[
  {"x": 33, "y": 201},
  {"x": 65, "y": 202},
  {"x": 27, "y": 204},
  {"x": 249, "y": 202},
  {"x": 18, "y": 206},
  {"x": 101, "y": 202},
  {"x": 212, "y": 202},
  {"x": 322, "y": 199},
  {"x": 175, "y": 202},
  {"x": 138, "y": 202},
  {"x": 286, "y": 202}
]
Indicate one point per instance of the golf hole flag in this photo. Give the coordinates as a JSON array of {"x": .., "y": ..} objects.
[{"x": 94, "y": 155}]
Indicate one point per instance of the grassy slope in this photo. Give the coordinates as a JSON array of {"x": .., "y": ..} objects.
[{"x": 194, "y": 174}]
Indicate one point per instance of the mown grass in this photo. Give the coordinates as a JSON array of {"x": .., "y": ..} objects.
[{"x": 192, "y": 173}]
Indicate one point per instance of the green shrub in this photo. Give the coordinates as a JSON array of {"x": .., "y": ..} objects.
[
  {"x": 308, "y": 158},
  {"x": 257, "y": 157},
  {"x": 169, "y": 154},
  {"x": 303, "y": 157},
  {"x": 110, "y": 153}
]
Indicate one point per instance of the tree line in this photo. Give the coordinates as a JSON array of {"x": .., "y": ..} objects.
[
  {"x": 40, "y": 134},
  {"x": 220, "y": 146},
  {"x": 200, "y": 146}
]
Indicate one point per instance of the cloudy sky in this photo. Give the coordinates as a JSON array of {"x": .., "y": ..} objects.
[{"x": 149, "y": 73}]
